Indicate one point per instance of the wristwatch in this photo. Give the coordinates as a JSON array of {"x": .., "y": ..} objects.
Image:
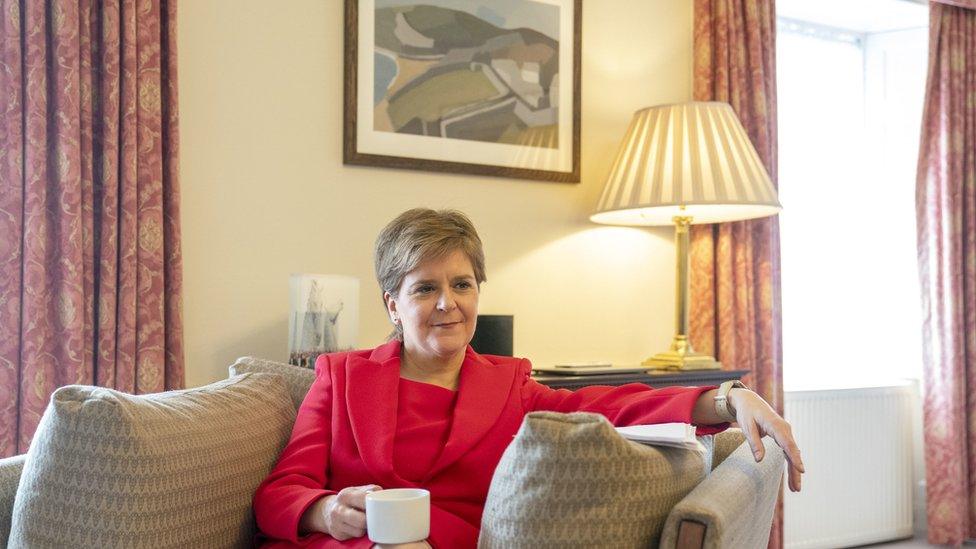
[{"x": 723, "y": 407}]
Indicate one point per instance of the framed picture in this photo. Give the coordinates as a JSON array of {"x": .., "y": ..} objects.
[
  {"x": 488, "y": 87},
  {"x": 324, "y": 316}
]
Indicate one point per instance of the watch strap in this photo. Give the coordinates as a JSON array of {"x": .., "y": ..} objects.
[{"x": 723, "y": 407}]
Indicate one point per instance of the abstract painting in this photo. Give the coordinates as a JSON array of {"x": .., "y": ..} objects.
[{"x": 472, "y": 86}]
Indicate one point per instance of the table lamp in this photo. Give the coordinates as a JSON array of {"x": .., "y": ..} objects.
[{"x": 685, "y": 164}]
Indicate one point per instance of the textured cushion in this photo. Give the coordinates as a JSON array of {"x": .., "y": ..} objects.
[
  {"x": 569, "y": 480},
  {"x": 725, "y": 443},
  {"x": 297, "y": 378},
  {"x": 9, "y": 477},
  {"x": 174, "y": 469}
]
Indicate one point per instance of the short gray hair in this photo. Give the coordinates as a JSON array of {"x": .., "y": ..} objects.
[{"x": 421, "y": 234}]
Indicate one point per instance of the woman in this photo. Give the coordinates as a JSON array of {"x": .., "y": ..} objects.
[{"x": 425, "y": 410}]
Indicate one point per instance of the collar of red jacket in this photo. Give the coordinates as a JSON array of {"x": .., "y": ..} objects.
[{"x": 390, "y": 351}]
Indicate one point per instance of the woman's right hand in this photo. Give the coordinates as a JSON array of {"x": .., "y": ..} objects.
[{"x": 342, "y": 516}]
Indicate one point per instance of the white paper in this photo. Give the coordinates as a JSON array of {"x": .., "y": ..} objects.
[{"x": 673, "y": 435}]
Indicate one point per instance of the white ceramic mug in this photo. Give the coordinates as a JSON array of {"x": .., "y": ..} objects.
[{"x": 398, "y": 515}]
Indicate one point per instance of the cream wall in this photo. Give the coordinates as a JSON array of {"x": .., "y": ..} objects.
[{"x": 265, "y": 192}]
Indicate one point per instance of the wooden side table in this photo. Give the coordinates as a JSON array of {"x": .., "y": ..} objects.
[{"x": 669, "y": 379}]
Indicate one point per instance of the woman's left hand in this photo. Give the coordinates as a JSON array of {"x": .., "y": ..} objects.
[{"x": 757, "y": 418}]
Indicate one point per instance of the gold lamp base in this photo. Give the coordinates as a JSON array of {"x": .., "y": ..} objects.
[
  {"x": 681, "y": 357},
  {"x": 669, "y": 361}
]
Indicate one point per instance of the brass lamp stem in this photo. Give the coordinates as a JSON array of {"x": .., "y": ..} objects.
[
  {"x": 681, "y": 355},
  {"x": 681, "y": 226}
]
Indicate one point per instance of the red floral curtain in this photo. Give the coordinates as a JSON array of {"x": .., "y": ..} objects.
[
  {"x": 971, "y": 4},
  {"x": 735, "y": 267},
  {"x": 946, "y": 222},
  {"x": 89, "y": 223}
]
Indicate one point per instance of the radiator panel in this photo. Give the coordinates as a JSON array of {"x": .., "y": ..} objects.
[{"x": 857, "y": 448}]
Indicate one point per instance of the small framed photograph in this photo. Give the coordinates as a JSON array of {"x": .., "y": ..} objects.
[
  {"x": 324, "y": 316},
  {"x": 488, "y": 87}
]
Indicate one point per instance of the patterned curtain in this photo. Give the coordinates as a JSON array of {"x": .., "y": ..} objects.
[
  {"x": 90, "y": 257},
  {"x": 735, "y": 267},
  {"x": 946, "y": 222}
]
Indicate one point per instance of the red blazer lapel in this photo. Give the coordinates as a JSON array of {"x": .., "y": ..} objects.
[
  {"x": 371, "y": 400},
  {"x": 483, "y": 391}
]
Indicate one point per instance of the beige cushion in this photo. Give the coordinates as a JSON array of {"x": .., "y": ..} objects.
[
  {"x": 297, "y": 378},
  {"x": 174, "y": 469},
  {"x": 10, "y": 469},
  {"x": 725, "y": 443},
  {"x": 569, "y": 480}
]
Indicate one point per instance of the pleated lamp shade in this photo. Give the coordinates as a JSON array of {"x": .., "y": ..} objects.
[{"x": 690, "y": 159}]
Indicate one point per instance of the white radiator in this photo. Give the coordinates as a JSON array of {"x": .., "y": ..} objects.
[{"x": 857, "y": 449}]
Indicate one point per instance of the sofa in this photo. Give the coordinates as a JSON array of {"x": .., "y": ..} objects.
[{"x": 178, "y": 469}]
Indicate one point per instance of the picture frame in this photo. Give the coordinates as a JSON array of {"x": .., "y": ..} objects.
[{"x": 464, "y": 86}]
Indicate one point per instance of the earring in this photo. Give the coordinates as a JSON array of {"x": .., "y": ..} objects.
[{"x": 396, "y": 319}]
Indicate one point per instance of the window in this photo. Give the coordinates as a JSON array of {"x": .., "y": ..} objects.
[{"x": 850, "y": 94}]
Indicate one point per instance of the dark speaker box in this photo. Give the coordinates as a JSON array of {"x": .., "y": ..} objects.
[{"x": 493, "y": 335}]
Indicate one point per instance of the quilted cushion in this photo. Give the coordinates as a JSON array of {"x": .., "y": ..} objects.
[
  {"x": 569, "y": 480},
  {"x": 174, "y": 469},
  {"x": 297, "y": 378}
]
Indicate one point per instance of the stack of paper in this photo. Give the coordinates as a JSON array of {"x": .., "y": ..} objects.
[{"x": 674, "y": 435}]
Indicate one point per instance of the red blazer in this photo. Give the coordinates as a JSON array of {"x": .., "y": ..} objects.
[{"x": 343, "y": 436}]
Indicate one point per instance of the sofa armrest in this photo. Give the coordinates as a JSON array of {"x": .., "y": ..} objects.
[
  {"x": 733, "y": 506},
  {"x": 10, "y": 469}
]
